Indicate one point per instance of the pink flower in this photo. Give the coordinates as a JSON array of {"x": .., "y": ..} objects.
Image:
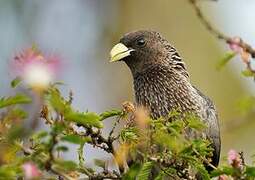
[
  {"x": 36, "y": 70},
  {"x": 31, "y": 171},
  {"x": 234, "y": 44},
  {"x": 234, "y": 158},
  {"x": 232, "y": 155},
  {"x": 223, "y": 177}
]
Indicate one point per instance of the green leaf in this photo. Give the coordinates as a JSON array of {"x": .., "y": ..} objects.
[
  {"x": 16, "y": 132},
  {"x": 177, "y": 126},
  {"x": 225, "y": 59},
  {"x": 108, "y": 114},
  {"x": 15, "y": 82},
  {"x": 204, "y": 173},
  {"x": 85, "y": 119},
  {"x": 72, "y": 138},
  {"x": 129, "y": 134},
  {"x": 203, "y": 147},
  {"x": 223, "y": 170},
  {"x": 39, "y": 135},
  {"x": 160, "y": 176},
  {"x": 65, "y": 165},
  {"x": 19, "y": 113},
  {"x": 12, "y": 100},
  {"x": 174, "y": 142},
  {"x": 195, "y": 123},
  {"x": 248, "y": 73},
  {"x": 57, "y": 102},
  {"x": 62, "y": 148},
  {"x": 16, "y": 113},
  {"x": 145, "y": 171},
  {"x": 59, "y": 127},
  {"x": 250, "y": 171},
  {"x": 10, "y": 172},
  {"x": 132, "y": 172}
]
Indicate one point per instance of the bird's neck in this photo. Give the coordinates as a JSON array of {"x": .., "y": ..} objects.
[{"x": 161, "y": 90}]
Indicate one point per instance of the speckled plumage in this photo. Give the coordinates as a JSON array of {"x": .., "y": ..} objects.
[{"x": 162, "y": 84}]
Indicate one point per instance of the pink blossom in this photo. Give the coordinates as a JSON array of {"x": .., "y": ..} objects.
[
  {"x": 234, "y": 158},
  {"x": 30, "y": 170},
  {"x": 232, "y": 155},
  {"x": 35, "y": 69},
  {"x": 234, "y": 45}
]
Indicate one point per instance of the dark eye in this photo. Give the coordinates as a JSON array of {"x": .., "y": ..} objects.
[{"x": 140, "y": 42}]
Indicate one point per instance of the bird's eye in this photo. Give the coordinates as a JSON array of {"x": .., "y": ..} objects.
[{"x": 140, "y": 42}]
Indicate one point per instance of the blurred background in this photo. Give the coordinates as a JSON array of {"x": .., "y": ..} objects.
[{"x": 84, "y": 31}]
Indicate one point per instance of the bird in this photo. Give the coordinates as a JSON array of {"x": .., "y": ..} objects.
[{"x": 162, "y": 83}]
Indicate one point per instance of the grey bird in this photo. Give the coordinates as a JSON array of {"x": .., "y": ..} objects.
[{"x": 162, "y": 83}]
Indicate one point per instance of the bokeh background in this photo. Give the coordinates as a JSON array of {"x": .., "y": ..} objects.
[{"x": 83, "y": 32}]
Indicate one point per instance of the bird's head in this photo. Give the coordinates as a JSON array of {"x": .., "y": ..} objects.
[{"x": 145, "y": 49}]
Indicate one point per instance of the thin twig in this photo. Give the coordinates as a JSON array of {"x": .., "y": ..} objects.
[
  {"x": 242, "y": 158},
  {"x": 114, "y": 126},
  {"x": 219, "y": 35},
  {"x": 204, "y": 159},
  {"x": 99, "y": 141}
]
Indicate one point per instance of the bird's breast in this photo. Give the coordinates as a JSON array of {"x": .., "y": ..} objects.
[{"x": 162, "y": 93}]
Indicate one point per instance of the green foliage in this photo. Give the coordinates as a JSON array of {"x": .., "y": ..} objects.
[
  {"x": 65, "y": 165},
  {"x": 223, "y": 170},
  {"x": 250, "y": 172},
  {"x": 13, "y": 100},
  {"x": 39, "y": 135},
  {"x": 63, "y": 107},
  {"x": 72, "y": 138},
  {"x": 57, "y": 101},
  {"x": 85, "y": 118},
  {"x": 225, "y": 59},
  {"x": 108, "y": 114},
  {"x": 15, "y": 133},
  {"x": 62, "y": 148},
  {"x": 145, "y": 171},
  {"x": 159, "y": 144},
  {"x": 177, "y": 152},
  {"x": 202, "y": 171},
  {"x": 9, "y": 172},
  {"x": 129, "y": 134},
  {"x": 133, "y": 171},
  {"x": 17, "y": 112},
  {"x": 195, "y": 123},
  {"x": 247, "y": 73},
  {"x": 139, "y": 171},
  {"x": 15, "y": 82}
]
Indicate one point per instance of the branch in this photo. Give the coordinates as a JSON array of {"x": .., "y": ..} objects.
[
  {"x": 29, "y": 151},
  {"x": 219, "y": 35},
  {"x": 117, "y": 121},
  {"x": 99, "y": 141},
  {"x": 105, "y": 175}
]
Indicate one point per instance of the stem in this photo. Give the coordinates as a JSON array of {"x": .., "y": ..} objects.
[
  {"x": 80, "y": 154},
  {"x": 114, "y": 126},
  {"x": 219, "y": 35}
]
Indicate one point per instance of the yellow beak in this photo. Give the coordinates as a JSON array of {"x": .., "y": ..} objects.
[{"x": 119, "y": 51}]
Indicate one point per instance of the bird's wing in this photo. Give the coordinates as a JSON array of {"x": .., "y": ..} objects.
[{"x": 213, "y": 132}]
